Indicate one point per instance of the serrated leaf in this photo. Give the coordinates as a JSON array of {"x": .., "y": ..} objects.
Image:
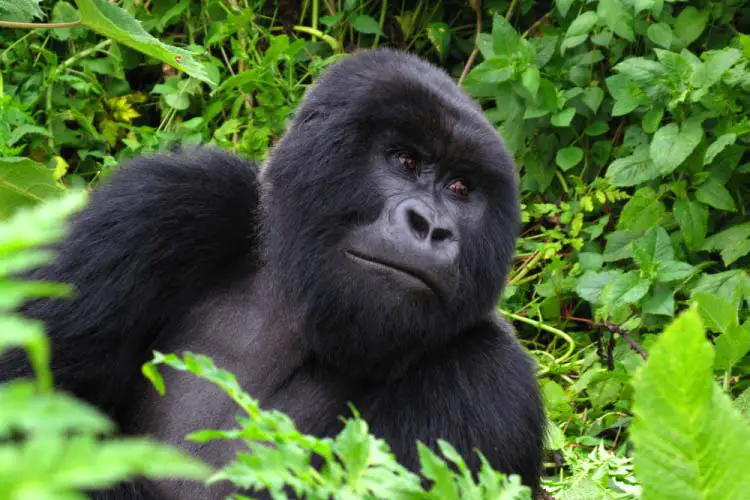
[
  {"x": 704, "y": 454},
  {"x": 718, "y": 62},
  {"x": 116, "y": 23},
  {"x": 591, "y": 284},
  {"x": 642, "y": 212},
  {"x": 733, "y": 243},
  {"x": 693, "y": 219},
  {"x": 717, "y": 313},
  {"x": 714, "y": 194},
  {"x": 672, "y": 144},
  {"x": 660, "y": 301},
  {"x": 21, "y": 10},
  {"x": 628, "y": 288},
  {"x": 660, "y": 34},
  {"x": 619, "y": 245},
  {"x": 668, "y": 272},
  {"x": 569, "y": 157},
  {"x": 718, "y": 146},
  {"x": 731, "y": 285},
  {"x": 632, "y": 170},
  {"x": 732, "y": 346},
  {"x": 690, "y": 24},
  {"x": 652, "y": 248}
]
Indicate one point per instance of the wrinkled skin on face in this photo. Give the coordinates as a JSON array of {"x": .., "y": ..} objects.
[{"x": 396, "y": 187}]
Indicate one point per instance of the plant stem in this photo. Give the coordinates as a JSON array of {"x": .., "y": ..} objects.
[
  {"x": 13, "y": 24},
  {"x": 381, "y": 21},
  {"x": 551, "y": 329},
  {"x": 475, "y": 51}
]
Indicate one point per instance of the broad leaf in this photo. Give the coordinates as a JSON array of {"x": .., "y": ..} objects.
[
  {"x": 21, "y": 10},
  {"x": 660, "y": 34},
  {"x": 114, "y": 22},
  {"x": 569, "y": 157},
  {"x": 24, "y": 182},
  {"x": 689, "y": 440},
  {"x": 714, "y": 194},
  {"x": 632, "y": 170},
  {"x": 672, "y": 144},
  {"x": 732, "y": 346},
  {"x": 718, "y": 146},
  {"x": 733, "y": 243},
  {"x": 693, "y": 219},
  {"x": 690, "y": 24}
]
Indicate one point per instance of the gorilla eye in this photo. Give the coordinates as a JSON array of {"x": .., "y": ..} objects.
[
  {"x": 460, "y": 188},
  {"x": 407, "y": 160}
]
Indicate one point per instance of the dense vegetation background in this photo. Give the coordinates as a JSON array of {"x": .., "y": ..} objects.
[{"x": 629, "y": 123}]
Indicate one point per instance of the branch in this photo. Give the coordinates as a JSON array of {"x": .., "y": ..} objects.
[{"x": 475, "y": 51}]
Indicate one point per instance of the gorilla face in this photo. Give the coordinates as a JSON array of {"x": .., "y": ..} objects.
[{"x": 404, "y": 207}]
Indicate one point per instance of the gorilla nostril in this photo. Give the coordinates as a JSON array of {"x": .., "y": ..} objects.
[
  {"x": 439, "y": 234},
  {"x": 418, "y": 224}
]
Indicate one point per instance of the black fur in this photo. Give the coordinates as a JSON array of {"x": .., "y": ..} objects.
[{"x": 191, "y": 250}]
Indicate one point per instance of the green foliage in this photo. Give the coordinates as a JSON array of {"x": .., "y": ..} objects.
[
  {"x": 355, "y": 463},
  {"x": 690, "y": 441},
  {"x": 50, "y": 443}
]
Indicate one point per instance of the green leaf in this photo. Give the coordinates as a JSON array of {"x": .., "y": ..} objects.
[
  {"x": 693, "y": 219},
  {"x": 689, "y": 440},
  {"x": 365, "y": 24},
  {"x": 627, "y": 288},
  {"x": 732, "y": 346},
  {"x": 530, "y": 79},
  {"x": 642, "y": 212},
  {"x": 742, "y": 403},
  {"x": 617, "y": 18},
  {"x": 440, "y": 36},
  {"x": 690, "y": 24},
  {"x": 627, "y": 95},
  {"x": 654, "y": 247},
  {"x": 714, "y": 194},
  {"x": 717, "y": 313},
  {"x": 660, "y": 34},
  {"x": 563, "y": 118},
  {"x": 64, "y": 12},
  {"x": 632, "y": 170},
  {"x": 591, "y": 284},
  {"x": 652, "y": 119},
  {"x": 718, "y": 62},
  {"x": 668, "y": 272},
  {"x": 593, "y": 97},
  {"x": 619, "y": 245},
  {"x": 582, "y": 24},
  {"x": 24, "y": 182},
  {"x": 563, "y": 6},
  {"x": 672, "y": 144},
  {"x": 114, "y": 22},
  {"x": 569, "y": 157},
  {"x": 733, "y": 243},
  {"x": 718, "y": 146},
  {"x": 731, "y": 285},
  {"x": 21, "y": 10},
  {"x": 660, "y": 301},
  {"x": 505, "y": 38}
]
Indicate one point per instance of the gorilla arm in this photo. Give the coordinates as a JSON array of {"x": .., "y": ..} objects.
[
  {"x": 478, "y": 393},
  {"x": 148, "y": 243}
]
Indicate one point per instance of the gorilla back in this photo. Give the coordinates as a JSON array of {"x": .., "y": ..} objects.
[{"x": 362, "y": 265}]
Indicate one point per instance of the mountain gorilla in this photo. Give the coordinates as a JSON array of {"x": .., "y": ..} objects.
[{"x": 363, "y": 264}]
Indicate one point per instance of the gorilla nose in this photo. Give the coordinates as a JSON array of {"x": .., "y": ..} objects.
[{"x": 429, "y": 230}]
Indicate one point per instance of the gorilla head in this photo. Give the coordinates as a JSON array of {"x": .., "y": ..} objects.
[{"x": 390, "y": 211}]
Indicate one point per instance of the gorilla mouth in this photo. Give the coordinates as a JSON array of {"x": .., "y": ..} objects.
[{"x": 411, "y": 275}]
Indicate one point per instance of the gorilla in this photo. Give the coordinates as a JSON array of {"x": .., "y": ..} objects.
[{"x": 361, "y": 263}]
